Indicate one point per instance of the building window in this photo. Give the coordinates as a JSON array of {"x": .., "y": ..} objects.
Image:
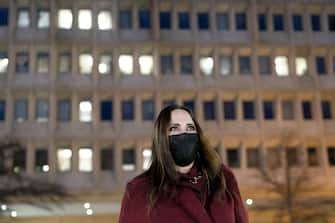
[
  {"x": 85, "y": 19},
  {"x": 315, "y": 23},
  {"x": 22, "y": 62},
  {"x": 203, "y": 21},
  {"x": 125, "y": 19},
  {"x": 281, "y": 66},
  {"x": 241, "y": 21},
  {"x": 273, "y": 158},
  {"x": 146, "y": 157},
  {"x": 264, "y": 65},
  {"x": 229, "y": 110},
  {"x": 148, "y": 110},
  {"x": 209, "y": 110},
  {"x": 292, "y": 157},
  {"x": 301, "y": 67},
  {"x": 312, "y": 157},
  {"x": 288, "y": 110},
  {"x": 165, "y": 20},
  {"x": 268, "y": 110},
  {"x": 105, "y": 64},
  {"x": 331, "y": 156},
  {"x": 126, "y": 64},
  {"x": 85, "y": 160},
  {"x": 64, "y": 110},
  {"x": 186, "y": 63},
  {"x": 64, "y": 159},
  {"x": 128, "y": 110},
  {"x": 278, "y": 22},
  {"x": 23, "y": 18},
  {"x": 107, "y": 159},
  {"x": 85, "y": 63},
  {"x": 105, "y": 20},
  {"x": 4, "y": 17},
  {"x": 144, "y": 19},
  {"x": 320, "y": 65},
  {"x": 233, "y": 157},
  {"x": 85, "y": 111},
  {"x": 41, "y": 160},
  {"x": 326, "y": 110},
  {"x": 128, "y": 159},
  {"x": 65, "y": 18},
  {"x": 253, "y": 158},
  {"x": 168, "y": 102},
  {"x": 244, "y": 65},
  {"x": 222, "y": 21},
  {"x": 3, "y": 62},
  {"x": 190, "y": 105},
  {"x": 19, "y": 160},
  {"x": 184, "y": 20},
  {"x": 331, "y": 23},
  {"x": 307, "y": 110},
  {"x": 2, "y": 110},
  {"x": 262, "y": 24},
  {"x": 206, "y": 65},
  {"x": 146, "y": 63},
  {"x": 21, "y": 110},
  {"x": 43, "y": 19},
  {"x": 225, "y": 65},
  {"x": 297, "y": 23},
  {"x": 42, "y": 63},
  {"x": 42, "y": 110},
  {"x": 106, "y": 110},
  {"x": 167, "y": 65},
  {"x": 64, "y": 63},
  {"x": 248, "y": 110}
]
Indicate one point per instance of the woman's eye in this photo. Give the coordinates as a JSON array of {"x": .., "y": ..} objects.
[
  {"x": 191, "y": 128},
  {"x": 172, "y": 128}
]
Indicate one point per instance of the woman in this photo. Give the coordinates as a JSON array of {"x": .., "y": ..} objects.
[{"x": 186, "y": 181}]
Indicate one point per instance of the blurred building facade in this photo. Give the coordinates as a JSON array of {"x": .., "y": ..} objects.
[{"x": 81, "y": 83}]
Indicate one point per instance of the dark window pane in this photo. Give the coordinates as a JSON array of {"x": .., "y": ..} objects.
[
  {"x": 41, "y": 160},
  {"x": 273, "y": 158},
  {"x": 264, "y": 65},
  {"x": 233, "y": 157},
  {"x": 297, "y": 22},
  {"x": 331, "y": 23},
  {"x": 125, "y": 20},
  {"x": 2, "y": 110},
  {"x": 253, "y": 157},
  {"x": 19, "y": 160},
  {"x": 148, "y": 110},
  {"x": 292, "y": 157},
  {"x": 106, "y": 112},
  {"x": 209, "y": 110},
  {"x": 245, "y": 65},
  {"x": 22, "y": 62},
  {"x": 248, "y": 110},
  {"x": 128, "y": 110},
  {"x": 278, "y": 22},
  {"x": 167, "y": 65},
  {"x": 268, "y": 110},
  {"x": 165, "y": 20},
  {"x": 184, "y": 20},
  {"x": 326, "y": 110},
  {"x": 312, "y": 156},
  {"x": 222, "y": 21},
  {"x": 186, "y": 64},
  {"x": 64, "y": 110},
  {"x": 203, "y": 20},
  {"x": 315, "y": 23},
  {"x": 229, "y": 110},
  {"x": 331, "y": 156},
  {"x": 21, "y": 109},
  {"x": 307, "y": 110},
  {"x": 144, "y": 19},
  {"x": 42, "y": 109},
  {"x": 321, "y": 65},
  {"x": 262, "y": 25},
  {"x": 168, "y": 102},
  {"x": 288, "y": 110},
  {"x": 128, "y": 156},
  {"x": 3, "y": 16},
  {"x": 107, "y": 159},
  {"x": 241, "y": 21},
  {"x": 190, "y": 105}
]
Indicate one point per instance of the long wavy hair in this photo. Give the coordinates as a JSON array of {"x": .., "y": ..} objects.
[{"x": 162, "y": 172}]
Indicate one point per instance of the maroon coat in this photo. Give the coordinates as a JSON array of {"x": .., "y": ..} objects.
[{"x": 186, "y": 207}]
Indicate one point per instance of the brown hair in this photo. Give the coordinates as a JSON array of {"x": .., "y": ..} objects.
[{"x": 162, "y": 173}]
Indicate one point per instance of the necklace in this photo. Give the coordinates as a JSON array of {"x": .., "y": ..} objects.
[{"x": 195, "y": 179}]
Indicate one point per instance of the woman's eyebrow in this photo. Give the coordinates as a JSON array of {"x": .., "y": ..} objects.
[{"x": 174, "y": 124}]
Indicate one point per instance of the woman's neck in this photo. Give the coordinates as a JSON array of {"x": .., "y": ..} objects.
[{"x": 184, "y": 169}]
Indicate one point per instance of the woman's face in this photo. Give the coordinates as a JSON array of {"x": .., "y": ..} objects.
[{"x": 181, "y": 122}]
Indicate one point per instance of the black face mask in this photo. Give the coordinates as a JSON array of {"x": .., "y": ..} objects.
[{"x": 184, "y": 148}]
